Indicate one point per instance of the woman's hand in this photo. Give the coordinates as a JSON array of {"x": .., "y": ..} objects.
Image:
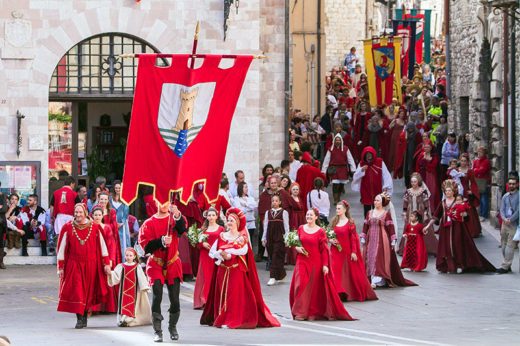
[
  {"x": 300, "y": 250},
  {"x": 60, "y": 273},
  {"x": 167, "y": 240},
  {"x": 325, "y": 270},
  {"x": 353, "y": 257},
  {"x": 206, "y": 245},
  {"x": 264, "y": 242},
  {"x": 225, "y": 255},
  {"x": 107, "y": 269}
]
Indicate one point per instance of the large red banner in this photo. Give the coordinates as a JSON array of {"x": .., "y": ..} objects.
[{"x": 180, "y": 124}]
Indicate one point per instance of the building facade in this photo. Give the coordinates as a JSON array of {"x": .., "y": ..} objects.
[{"x": 40, "y": 38}]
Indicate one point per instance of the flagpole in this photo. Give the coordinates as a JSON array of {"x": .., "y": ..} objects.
[
  {"x": 195, "y": 43},
  {"x": 160, "y": 55}
]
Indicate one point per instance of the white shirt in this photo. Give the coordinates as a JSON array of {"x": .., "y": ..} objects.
[
  {"x": 248, "y": 205},
  {"x": 388, "y": 183},
  {"x": 350, "y": 161},
  {"x": 322, "y": 202},
  {"x": 293, "y": 169},
  {"x": 285, "y": 216},
  {"x": 233, "y": 189}
]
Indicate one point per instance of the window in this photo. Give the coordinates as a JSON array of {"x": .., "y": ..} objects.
[{"x": 93, "y": 67}]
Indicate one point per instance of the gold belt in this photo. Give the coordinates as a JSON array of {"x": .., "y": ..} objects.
[
  {"x": 225, "y": 285},
  {"x": 164, "y": 265}
]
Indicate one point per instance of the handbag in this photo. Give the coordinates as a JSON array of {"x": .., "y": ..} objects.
[
  {"x": 482, "y": 185},
  {"x": 331, "y": 170}
]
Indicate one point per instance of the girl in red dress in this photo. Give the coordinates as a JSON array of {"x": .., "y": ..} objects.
[
  {"x": 110, "y": 304},
  {"x": 235, "y": 298},
  {"x": 110, "y": 220},
  {"x": 296, "y": 218},
  {"x": 313, "y": 294},
  {"x": 415, "y": 256},
  {"x": 206, "y": 263},
  {"x": 347, "y": 265},
  {"x": 83, "y": 264}
]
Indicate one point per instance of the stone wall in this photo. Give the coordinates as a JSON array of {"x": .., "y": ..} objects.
[{"x": 57, "y": 25}]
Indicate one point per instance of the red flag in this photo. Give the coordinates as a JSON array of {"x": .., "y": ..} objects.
[
  {"x": 179, "y": 128},
  {"x": 419, "y": 35}
]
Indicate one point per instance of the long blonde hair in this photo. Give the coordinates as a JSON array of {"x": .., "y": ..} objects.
[{"x": 335, "y": 219}]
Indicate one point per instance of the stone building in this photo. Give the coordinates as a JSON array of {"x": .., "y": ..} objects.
[
  {"x": 66, "y": 51},
  {"x": 477, "y": 82}
]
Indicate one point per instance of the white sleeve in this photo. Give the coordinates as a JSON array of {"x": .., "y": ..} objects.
[
  {"x": 115, "y": 275},
  {"x": 356, "y": 179},
  {"x": 142, "y": 281},
  {"x": 266, "y": 223},
  {"x": 308, "y": 199},
  {"x": 238, "y": 252},
  {"x": 213, "y": 253},
  {"x": 326, "y": 162},
  {"x": 251, "y": 203},
  {"x": 62, "y": 248},
  {"x": 286, "y": 221},
  {"x": 104, "y": 250},
  {"x": 351, "y": 162},
  {"x": 11, "y": 226},
  {"x": 235, "y": 202},
  {"x": 388, "y": 183},
  {"x": 41, "y": 219}
]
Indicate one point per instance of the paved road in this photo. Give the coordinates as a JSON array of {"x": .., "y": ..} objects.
[{"x": 468, "y": 309}]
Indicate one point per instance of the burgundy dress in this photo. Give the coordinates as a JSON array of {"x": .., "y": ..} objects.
[
  {"x": 349, "y": 276},
  {"x": 456, "y": 246},
  {"x": 296, "y": 219},
  {"x": 313, "y": 295},
  {"x": 414, "y": 257},
  {"x": 206, "y": 268},
  {"x": 275, "y": 244},
  {"x": 469, "y": 183}
]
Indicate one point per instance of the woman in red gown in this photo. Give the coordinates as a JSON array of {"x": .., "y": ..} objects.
[
  {"x": 378, "y": 240},
  {"x": 347, "y": 265},
  {"x": 296, "y": 212},
  {"x": 235, "y": 298},
  {"x": 313, "y": 294},
  {"x": 110, "y": 220},
  {"x": 427, "y": 166},
  {"x": 396, "y": 128},
  {"x": 471, "y": 193},
  {"x": 110, "y": 304},
  {"x": 206, "y": 263},
  {"x": 457, "y": 251},
  {"x": 83, "y": 264}
]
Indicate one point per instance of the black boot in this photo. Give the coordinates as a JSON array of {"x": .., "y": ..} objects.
[
  {"x": 43, "y": 245},
  {"x": 85, "y": 316},
  {"x": 24, "y": 250},
  {"x": 156, "y": 321},
  {"x": 2, "y": 255},
  {"x": 172, "y": 325},
  {"x": 79, "y": 323}
]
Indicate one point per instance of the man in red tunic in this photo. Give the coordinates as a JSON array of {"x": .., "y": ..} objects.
[
  {"x": 82, "y": 258},
  {"x": 306, "y": 175},
  {"x": 340, "y": 159},
  {"x": 62, "y": 204},
  {"x": 159, "y": 237},
  {"x": 371, "y": 178}
]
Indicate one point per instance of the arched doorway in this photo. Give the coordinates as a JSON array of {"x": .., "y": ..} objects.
[{"x": 90, "y": 100}]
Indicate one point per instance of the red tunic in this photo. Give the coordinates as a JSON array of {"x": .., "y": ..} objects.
[
  {"x": 415, "y": 256},
  {"x": 305, "y": 177},
  {"x": 205, "y": 272},
  {"x": 110, "y": 304},
  {"x": 64, "y": 201},
  {"x": 313, "y": 295},
  {"x": 164, "y": 264},
  {"x": 338, "y": 159},
  {"x": 84, "y": 284},
  {"x": 350, "y": 276},
  {"x": 456, "y": 247},
  {"x": 129, "y": 294},
  {"x": 235, "y": 298},
  {"x": 372, "y": 181}
]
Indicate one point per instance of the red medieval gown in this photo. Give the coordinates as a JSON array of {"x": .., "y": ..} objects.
[
  {"x": 205, "y": 273},
  {"x": 81, "y": 255},
  {"x": 193, "y": 215},
  {"x": 235, "y": 297},
  {"x": 469, "y": 183},
  {"x": 359, "y": 123},
  {"x": 313, "y": 295},
  {"x": 349, "y": 276},
  {"x": 110, "y": 304},
  {"x": 380, "y": 258},
  {"x": 296, "y": 219},
  {"x": 111, "y": 221},
  {"x": 428, "y": 169},
  {"x": 415, "y": 256},
  {"x": 305, "y": 178},
  {"x": 456, "y": 246},
  {"x": 395, "y": 138}
]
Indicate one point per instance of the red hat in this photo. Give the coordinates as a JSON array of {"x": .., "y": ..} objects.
[
  {"x": 239, "y": 217},
  {"x": 306, "y": 157}
]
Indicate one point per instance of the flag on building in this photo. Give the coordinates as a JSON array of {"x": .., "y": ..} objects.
[
  {"x": 383, "y": 65},
  {"x": 425, "y": 16},
  {"x": 179, "y": 128},
  {"x": 407, "y": 30}
]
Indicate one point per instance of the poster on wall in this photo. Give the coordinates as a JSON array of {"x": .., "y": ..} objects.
[{"x": 22, "y": 177}]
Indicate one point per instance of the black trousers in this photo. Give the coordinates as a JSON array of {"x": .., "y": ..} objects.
[
  {"x": 261, "y": 248},
  {"x": 173, "y": 295},
  {"x": 3, "y": 230},
  {"x": 366, "y": 209}
]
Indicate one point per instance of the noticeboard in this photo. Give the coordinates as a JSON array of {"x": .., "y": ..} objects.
[{"x": 20, "y": 177}]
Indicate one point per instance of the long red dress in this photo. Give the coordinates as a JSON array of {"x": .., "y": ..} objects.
[
  {"x": 84, "y": 284},
  {"x": 395, "y": 139},
  {"x": 415, "y": 256},
  {"x": 469, "y": 183},
  {"x": 350, "y": 276},
  {"x": 111, "y": 221},
  {"x": 206, "y": 268},
  {"x": 428, "y": 169},
  {"x": 110, "y": 304},
  {"x": 187, "y": 253},
  {"x": 313, "y": 295},
  {"x": 235, "y": 298},
  {"x": 456, "y": 246},
  {"x": 296, "y": 219},
  {"x": 305, "y": 178},
  {"x": 380, "y": 258}
]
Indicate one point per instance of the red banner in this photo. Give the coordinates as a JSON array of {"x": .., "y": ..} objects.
[
  {"x": 419, "y": 35},
  {"x": 180, "y": 123}
]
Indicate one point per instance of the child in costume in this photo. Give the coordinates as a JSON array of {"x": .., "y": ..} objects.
[
  {"x": 460, "y": 209},
  {"x": 133, "y": 307},
  {"x": 415, "y": 256}
]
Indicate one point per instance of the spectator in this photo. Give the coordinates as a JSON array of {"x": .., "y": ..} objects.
[
  {"x": 224, "y": 189},
  {"x": 294, "y": 164},
  {"x": 62, "y": 203},
  {"x": 32, "y": 221},
  {"x": 351, "y": 59},
  {"x": 482, "y": 170},
  {"x": 3, "y": 227},
  {"x": 509, "y": 213},
  {"x": 248, "y": 205},
  {"x": 94, "y": 198},
  {"x": 450, "y": 151},
  {"x": 239, "y": 177}
]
